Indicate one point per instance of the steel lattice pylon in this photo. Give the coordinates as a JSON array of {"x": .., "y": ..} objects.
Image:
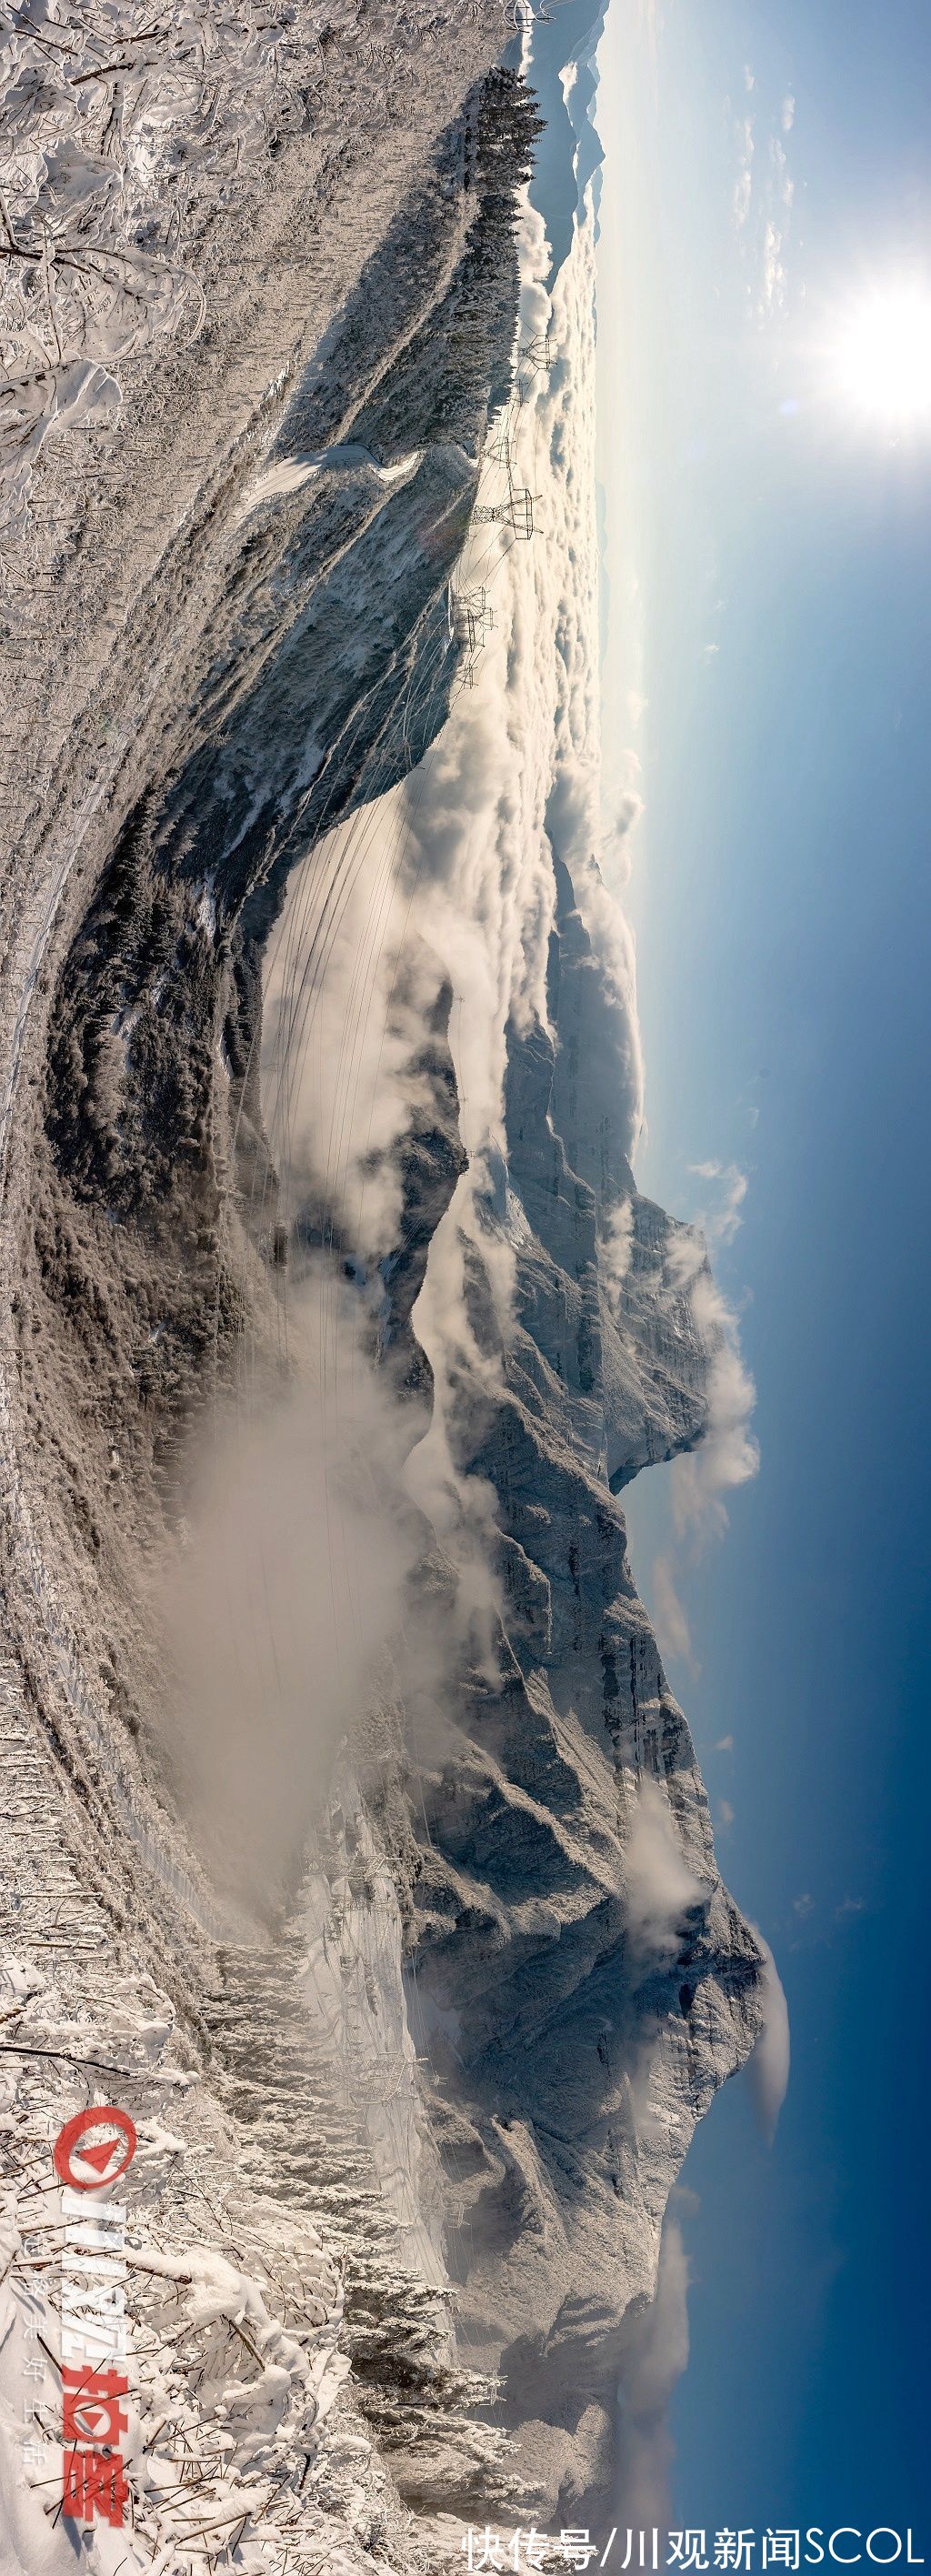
[
  {"x": 515, "y": 513},
  {"x": 538, "y": 352},
  {"x": 470, "y": 618}
]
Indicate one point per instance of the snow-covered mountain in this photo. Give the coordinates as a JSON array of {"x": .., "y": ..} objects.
[
  {"x": 578, "y": 1980},
  {"x": 356, "y": 1841}
]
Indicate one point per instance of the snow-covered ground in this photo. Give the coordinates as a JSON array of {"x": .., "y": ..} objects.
[
  {"x": 233, "y": 2307},
  {"x": 186, "y": 204}
]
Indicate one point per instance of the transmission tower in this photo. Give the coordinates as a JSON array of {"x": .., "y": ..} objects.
[
  {"x": 470, "y": 618},
  {"x": 538, "y": 352},
  {"x": 515, "y": 513}
]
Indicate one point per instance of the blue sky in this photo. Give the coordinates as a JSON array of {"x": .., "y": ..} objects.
[{"x": 769, "y": 552}]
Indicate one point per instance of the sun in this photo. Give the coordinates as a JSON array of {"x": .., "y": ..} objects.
[{"x": 884, "y": 355}]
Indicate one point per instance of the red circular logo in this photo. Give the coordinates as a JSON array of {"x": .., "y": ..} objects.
[{"x": 99, "y": 2156}]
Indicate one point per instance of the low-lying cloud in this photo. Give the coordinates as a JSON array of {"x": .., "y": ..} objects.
[
  {"x": 661, "y": 1888},
  {"x": 657, "y": 2358},
  {"x": 300, "y": 1537},
  {"x": 728, "y": 1455},
  {"x": 721, "y": 1223},
  {"x": 768, "y": 2066},
  {"x": 669, "y": 1617}
]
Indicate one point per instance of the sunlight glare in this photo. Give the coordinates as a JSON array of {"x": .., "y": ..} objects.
[{"x": 884, "y": 355}]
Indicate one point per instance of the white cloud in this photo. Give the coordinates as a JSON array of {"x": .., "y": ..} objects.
[
  {"x": 725, "y": 1813},
  {"x": 616, "y": 853},
  {"x": 728, "y": 1454},
  {"x": 725, "y": 1744},
  {"x": 670, "y": 1619},
  {"x": 660, "y": 1886},
  {"x": 783, "y": 181},
  {"x": 780, "y": 194},
  {"x": 768, "y": 2066},
  {"x": 656, "y": 2358},
  {"x": 341, "y": 1050},
  {"x": 774, "y": 276},
  {"x": 300, "y": 1539},
  {"x": 743, "y": 193},
  {"x": 762, "y": 200},
  {"x": 617, "y": 1244},
  {"x": 803, "y": 1906},
  {"x": 743, "y": 184},
  {"x": 721, "y": 1223}
]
